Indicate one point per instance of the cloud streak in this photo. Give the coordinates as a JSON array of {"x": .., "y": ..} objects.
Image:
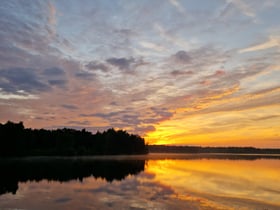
[{"x": 270, "y": 43}]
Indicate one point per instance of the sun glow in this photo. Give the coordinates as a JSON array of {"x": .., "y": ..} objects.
[{"x": 220, "y": 129}]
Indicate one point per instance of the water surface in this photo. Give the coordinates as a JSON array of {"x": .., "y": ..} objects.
[{"x": 155, "y": 181}]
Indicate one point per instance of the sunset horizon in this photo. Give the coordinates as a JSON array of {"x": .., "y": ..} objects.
[{"x": 189, "y": 73}]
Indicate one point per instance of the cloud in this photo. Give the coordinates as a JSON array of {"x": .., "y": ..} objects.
[
  {"x": 125, "y": 32},
  {"x": 103, "y": 115},
  {"x": 54, "y": 71},
  {"x": 69, "y": 106},
  {"x": 198, "y": 59},
  {"x": 267, "y": 117},
  {"x": 28, "y": 35},
  {"x": 55, "y": 76},
  {"x": 15, "y": 80},
  {"x": 243, "y": 7},
  {"x": 158, "y": 116},
  {"x": 121, "y": 63},
  {"x": 57, "y": 82},
  {"x": 118, "y": 119},
  {"x": 95, "y": 65},
  {"x": 245, "y": 103},
  {"x": 182, "y": 57},
  {"x": 127, "y": 64},
  {"x": 18, "y": 96},
  {"x": 152, "y": 46},
  {"x": 160, "y": 91},
  {"x": 29, "y": 83},
  {"x": 134, "y": 121},
  {"x": 217, "y": 91},
  {"x": 79, "y": 123},
  {"x": 63, "y": 200},
  {"x": 234, "y": 7},
  {"x": 229, "y": 100},
  {"x": 52, "y": 14},
  {"x": 215, "y": 78},
  {"x": 270, "y": 43},
  {"x": 177, "y": 5},
  {"x": 145, "y": 129},
  {"x": 16, "y": 29},
  {"x": 171, "y": 38},
  {"x": 85, "y": 75},
  {"x": 181, "y": 73}
]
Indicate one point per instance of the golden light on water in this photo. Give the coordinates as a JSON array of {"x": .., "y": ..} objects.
[{"x": 218, "y": 183}]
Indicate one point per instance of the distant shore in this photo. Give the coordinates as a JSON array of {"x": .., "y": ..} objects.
[{"x": 198, "y": 149}]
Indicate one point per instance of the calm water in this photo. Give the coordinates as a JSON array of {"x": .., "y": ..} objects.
[{"x": 154, "y": 181}]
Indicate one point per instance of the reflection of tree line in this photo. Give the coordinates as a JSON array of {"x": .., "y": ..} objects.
[
  {"x": 63, "y": 170},
  {"x": 15, "y": 140}
]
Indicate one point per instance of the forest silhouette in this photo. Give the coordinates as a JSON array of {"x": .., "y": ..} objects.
[{"x": 15, "y": 140}]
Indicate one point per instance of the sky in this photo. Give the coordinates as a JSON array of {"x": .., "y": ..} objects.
[{"x": 190, "y": 72}]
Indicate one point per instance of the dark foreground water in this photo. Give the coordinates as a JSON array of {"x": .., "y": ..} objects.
[{"x": 155, "y": 181}]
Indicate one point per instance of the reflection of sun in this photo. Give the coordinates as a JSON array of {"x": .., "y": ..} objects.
[
  {"x": 159, "y": 166},
  {"x": 226, "y": 178}
]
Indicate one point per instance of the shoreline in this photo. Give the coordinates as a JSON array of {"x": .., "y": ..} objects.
[{"x": 150, "y": 156}]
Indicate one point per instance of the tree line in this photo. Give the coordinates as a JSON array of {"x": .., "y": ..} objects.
[
  {"x": 198, "y": 149},
  {"x": 16, "y": 140}
]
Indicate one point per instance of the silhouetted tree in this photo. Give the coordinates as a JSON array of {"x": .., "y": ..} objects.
[{"x": 15, "y": 140}]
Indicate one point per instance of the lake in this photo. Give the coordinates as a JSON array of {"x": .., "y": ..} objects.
[{"x": 154, "y": 181}]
